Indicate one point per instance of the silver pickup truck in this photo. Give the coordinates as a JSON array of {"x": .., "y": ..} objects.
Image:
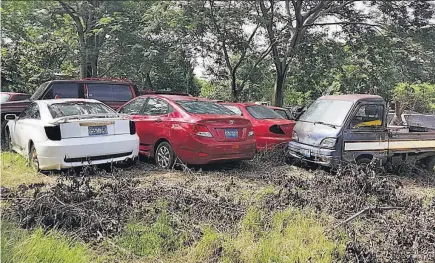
[{"x": 353, "y": 128}]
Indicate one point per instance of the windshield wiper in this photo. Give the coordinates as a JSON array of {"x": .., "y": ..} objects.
[{"x": 327, "y": 124}]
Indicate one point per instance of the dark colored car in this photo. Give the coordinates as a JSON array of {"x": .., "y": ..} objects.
[
  {"x": 13, "y": 96},
  {"x": 112, "y": 92}
]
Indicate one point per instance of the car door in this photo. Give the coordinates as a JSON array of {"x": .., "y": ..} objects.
[
  {"x": 155, "y": 119},
  {"x": 365, "y": 132},
  {"x": 25, "y": 126},
  {"x": 135, "y": 108}
]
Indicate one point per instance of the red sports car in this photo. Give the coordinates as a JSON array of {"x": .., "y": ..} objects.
[
  {"x": 195, "y": 130},
  {"x": 270, "y": 128}
]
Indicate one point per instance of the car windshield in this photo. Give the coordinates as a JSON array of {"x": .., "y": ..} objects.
[
  {"x": 262, "y": 112},
  {"x": 332, "y": 112},
  {"x": 5, "y": 97},
  {"x": 58, "y": 110},
  {"x": 204, "y": 107}
]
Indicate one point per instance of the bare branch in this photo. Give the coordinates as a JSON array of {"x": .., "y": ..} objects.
[
  {"x": 242, "y": 57},
  {"x": 320, "y": 6},
  {"x": 338, "y": 7}
]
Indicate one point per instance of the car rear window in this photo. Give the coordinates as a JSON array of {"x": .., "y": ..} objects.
[
  {"x": 58, "y": 110},
  {"x": 282, "y": 113},
  {"x": 63, "y": 90},
  {"x": 5, "y": 97},
  {"x": 261, "y": 112},
  {"x": 234, "y": 109},
  {"x": 204, "y": 107},
  {"x": 109, "y": 92}
]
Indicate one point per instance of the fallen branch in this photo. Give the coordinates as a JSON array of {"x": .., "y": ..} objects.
[{"x": 367, "y": 209}]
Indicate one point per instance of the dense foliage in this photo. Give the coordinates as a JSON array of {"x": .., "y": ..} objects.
[{"x": 288, "y": 52}]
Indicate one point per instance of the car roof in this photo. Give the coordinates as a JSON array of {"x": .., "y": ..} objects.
[
  {"x": 241, "y": 103},
  {"x": 175, "y": 97},
  {"x": 276, "y": 108},
  {"x": 352, "y": 97},
  {"x": 56, "y": 101},
  {"x": 13, "y": 93},
  {"x": 108, "y": 81}
]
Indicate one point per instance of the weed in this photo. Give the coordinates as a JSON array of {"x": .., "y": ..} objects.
[
  {"x": 15, "y": 171},
  {"x": 287, "y": 236},
  {"x": 156, "y": 239},
  {"x": 24, "y": 246}
]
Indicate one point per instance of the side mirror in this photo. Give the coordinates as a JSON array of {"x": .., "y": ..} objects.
[{"x": 10, "y": 117}]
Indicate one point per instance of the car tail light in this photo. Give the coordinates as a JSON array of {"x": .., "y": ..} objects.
[
  {"x": 197, "y": 129},
  {"x": 53, "y": 133},
  {"x": 132, "y": 127},
  {"x": 276, "y": 129}
]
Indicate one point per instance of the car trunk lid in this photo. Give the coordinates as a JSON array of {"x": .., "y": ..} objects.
[{"x": 227, "y": 128}]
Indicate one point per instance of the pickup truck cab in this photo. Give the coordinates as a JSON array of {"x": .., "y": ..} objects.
[
  {"x": 353, "y": 128},
  {"x": 112, "y": 92}
]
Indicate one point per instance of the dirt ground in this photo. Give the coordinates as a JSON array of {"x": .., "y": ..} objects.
[{"x": 385, "y": 217}]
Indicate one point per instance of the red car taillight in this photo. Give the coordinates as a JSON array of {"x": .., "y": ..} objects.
[{"x": 197, "y": 129}]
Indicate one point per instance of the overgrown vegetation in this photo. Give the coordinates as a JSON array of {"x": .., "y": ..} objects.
[
  {"x": 258, "y": 211},
  {"x": 19, "y": 245}
]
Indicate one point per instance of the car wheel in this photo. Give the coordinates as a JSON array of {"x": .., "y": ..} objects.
[
  {"x": 33, "y": 158},
  {"x": 8, "y": 141},
  {"x": 164, "y": 155},
  {"x": 363, "y": 161}
]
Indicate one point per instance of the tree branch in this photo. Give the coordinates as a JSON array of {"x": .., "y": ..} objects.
[
  {"x": 343, "y": 23},
  {"x": 242, "y": 57}
]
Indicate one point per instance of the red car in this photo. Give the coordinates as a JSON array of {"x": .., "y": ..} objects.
[
  {"x": 13, "y": 96},
  {"x": 197, "y": 131},
  {"x": 270, "y": 128}
]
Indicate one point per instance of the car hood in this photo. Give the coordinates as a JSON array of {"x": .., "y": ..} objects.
[{"x": 313, "y": 134}]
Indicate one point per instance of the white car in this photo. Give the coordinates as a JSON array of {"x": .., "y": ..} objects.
[{"x": 64, "y": 133}]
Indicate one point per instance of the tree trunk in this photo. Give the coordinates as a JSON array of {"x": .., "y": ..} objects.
[
  {"x": 234, "y": 90},
  {"x": 398, "y": 110},
  {"x": 278, "y": 96}
]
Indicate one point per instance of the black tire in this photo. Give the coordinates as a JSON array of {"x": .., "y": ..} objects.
[
  {"x": 8, "y": 141},
  {"x": 430, "y": 164},
  {"x": 363, "y": 160},
  {"x": 3, "y": 131},
  {"x": 33, "y": 158},
  {"x": 164, "y": 155}
]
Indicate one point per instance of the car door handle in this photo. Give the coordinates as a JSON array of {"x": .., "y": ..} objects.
[{"x": 158, "y": 120}]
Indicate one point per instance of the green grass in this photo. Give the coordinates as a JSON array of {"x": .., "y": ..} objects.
[
  {"x": 18, "y": 245},
  {"x": 287, "y": 236},
  {"x": 15, "y": 171},
  {"x": 157, "y": 239}
]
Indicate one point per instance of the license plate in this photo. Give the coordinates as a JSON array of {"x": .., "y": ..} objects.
[
  {"x": 231, "y": 133},
  {"x": 305, "y": 152},
  {"x": 97, "y": 130}
]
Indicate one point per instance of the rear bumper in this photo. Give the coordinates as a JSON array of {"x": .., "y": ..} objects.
[
  {"x": 266, "y": 142},
  {"x": 73, "y": 152},
  {"x": 204, "y": 153},
  {"x": 322, "y": 156}
]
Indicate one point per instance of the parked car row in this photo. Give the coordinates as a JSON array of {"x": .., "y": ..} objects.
[{"x": 61, "y": 126}]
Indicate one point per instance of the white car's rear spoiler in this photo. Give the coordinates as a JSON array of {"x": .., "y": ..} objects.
[{"x": 114, "y": 116}]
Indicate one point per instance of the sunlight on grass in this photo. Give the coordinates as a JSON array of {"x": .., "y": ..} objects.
[
  {"x": 287, "y": 236},
  {"x": 19, "y": 245},
  {"x": 15, "y": 171}
]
